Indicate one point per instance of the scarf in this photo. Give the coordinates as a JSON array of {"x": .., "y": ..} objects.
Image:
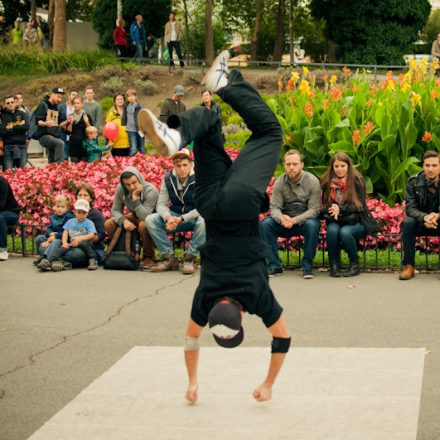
[{"x": 337, "y": 187}]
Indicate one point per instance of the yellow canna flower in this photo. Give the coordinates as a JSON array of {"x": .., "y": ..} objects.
[
  {"x": 304, "y": 87},
  {"x": 333, "y": 79},
  {"x": 380, "y": 104},
  {"x": 294, "y": 77},
  {"x": 305, "y": 71},
  {"x": 405, "y": 88},
  {"x": 416, "y": 99}
]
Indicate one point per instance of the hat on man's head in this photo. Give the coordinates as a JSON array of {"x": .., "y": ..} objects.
[
  {"x": 184, "y": 153},
  {"x": 225, "y": 323},
  {"x": 58, "y": 90},
  {"x": 82, "y": 205},
  {"x": 179, "y": 90}
]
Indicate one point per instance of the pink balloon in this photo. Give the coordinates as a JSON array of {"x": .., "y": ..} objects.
[{"x": 110, "y": 131}]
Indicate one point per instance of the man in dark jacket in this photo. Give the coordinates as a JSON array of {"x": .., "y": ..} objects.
[
  {"x": 173, "y": 105},
  {"x": 176, "y": 212},
  {"x": 13, "y": 131},
  {"x": 47, "y": 118},
  {"x": 9, "y": 210},
  {"x": 422, "y": 209}
]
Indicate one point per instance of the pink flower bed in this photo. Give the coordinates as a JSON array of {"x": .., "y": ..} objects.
[{"x": 35, "y": 188}]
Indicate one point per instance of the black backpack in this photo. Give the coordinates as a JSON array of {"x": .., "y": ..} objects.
[{"x": 123, "y": 251}]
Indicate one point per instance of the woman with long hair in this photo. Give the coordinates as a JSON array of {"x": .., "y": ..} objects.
[
  {"x": 343, "y": 199},
  {"x": 120, "y": 145}
]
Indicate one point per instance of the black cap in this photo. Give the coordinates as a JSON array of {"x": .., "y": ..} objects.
[
  {"x": 58, "y": 90},
  {"x": 225, "y": 323}
]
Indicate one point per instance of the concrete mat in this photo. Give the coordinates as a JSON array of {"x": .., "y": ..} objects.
[{"x": 321, "y": 393}]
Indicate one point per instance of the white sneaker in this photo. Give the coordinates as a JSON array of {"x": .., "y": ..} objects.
[
  {"x": 216, "y": 77},
  {"x": 4, "y": 256},
  {"x": 166, "y": 140}
]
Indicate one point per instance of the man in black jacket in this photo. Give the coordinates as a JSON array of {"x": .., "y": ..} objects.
[
  {"x": 422, "y": 209},
  {"x": 47, "y": 118},
  {"x": 13, "y": 131}
]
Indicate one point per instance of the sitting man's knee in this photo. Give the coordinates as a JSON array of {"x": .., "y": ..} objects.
[{"x": 409, "y": 224}]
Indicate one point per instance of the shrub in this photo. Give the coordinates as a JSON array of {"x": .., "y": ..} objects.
[
  {"x": 110, "y": 71},
  {"x": 191, "y": 77},
  {"x": 113, "y": 85},
  {"x": 145, "y": 86}
]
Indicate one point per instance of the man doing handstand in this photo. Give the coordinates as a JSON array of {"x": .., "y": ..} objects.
[{"x": 230, "y": 197}]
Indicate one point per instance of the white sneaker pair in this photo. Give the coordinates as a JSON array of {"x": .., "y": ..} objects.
[
  {"x": 4, "y": 255},
  {"x": 166, "y": 140}
]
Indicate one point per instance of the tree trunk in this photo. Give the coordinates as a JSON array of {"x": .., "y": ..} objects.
[
  {"x": 186, "y": 14},
  {"x": 50, "y": 21},
  {"x": 279, "y": 36},
  {"x": 254, "y": 40},
  {"x": 59, "y": 35},
  {"x": 33, "y": 9},
  {"x": 119, "y": 9},
  {"x": 209, "y": 34}
]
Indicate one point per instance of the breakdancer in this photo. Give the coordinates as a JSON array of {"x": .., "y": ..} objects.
[{"x": 229, "y": 196}]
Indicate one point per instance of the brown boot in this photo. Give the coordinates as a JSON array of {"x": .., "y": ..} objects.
[
  {"x": 188, "y": 264},
  {"x": 170, "y": 262},
  {"x": 407, "y": 272},
  {"x": 147, "y": 264}
]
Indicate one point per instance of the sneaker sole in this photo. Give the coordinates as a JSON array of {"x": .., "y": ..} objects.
[
  {"x": 308, "y": 277},
  {"x": 275, "y": 275},
  {"x": 212, "y": 69},
  {"x": 146, "y": 125}
]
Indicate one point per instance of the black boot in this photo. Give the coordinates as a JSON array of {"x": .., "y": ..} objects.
[
  {"x": 353, "y": 269},
  {"x": 334, "y": 269}
]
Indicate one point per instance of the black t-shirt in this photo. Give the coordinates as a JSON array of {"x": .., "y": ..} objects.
[
  {"x": 234, "y": 265},
  {"x": 432, "y": 199}
]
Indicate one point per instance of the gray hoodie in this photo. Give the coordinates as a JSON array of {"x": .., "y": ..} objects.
[{"x": 140, "y": 208}]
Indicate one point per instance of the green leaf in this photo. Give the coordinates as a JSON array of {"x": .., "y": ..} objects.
[
  {"x": 344, "y": 146},
  {"x": 403, "y": 167}
]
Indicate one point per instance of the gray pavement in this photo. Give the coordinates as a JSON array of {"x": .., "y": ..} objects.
[{"x": 60, "y": 331}]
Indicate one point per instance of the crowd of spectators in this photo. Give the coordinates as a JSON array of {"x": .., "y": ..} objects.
[{"x": 32, "y": 34}]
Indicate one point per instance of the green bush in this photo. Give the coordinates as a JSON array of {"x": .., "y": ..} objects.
[
  {"x": 26, "y": 61},
  {"x": 147, "y": 87},
  {"x": 113, "y": 85}
]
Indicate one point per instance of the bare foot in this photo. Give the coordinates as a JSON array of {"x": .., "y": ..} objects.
[
  {"x": 191, "y": 394},
  {"x": 262, "y": 393}
]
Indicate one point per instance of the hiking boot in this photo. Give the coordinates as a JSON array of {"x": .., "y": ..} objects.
[
  {"x": 166, "y": 140},
  {"x": 147, "y": 264},
  {"x": 59, "y": 265},
  {"x": 407, "y": 272},
  {"x": 37, "y": 260},
  {"x": 353, "y": 270},
  {"x": 334, "y": 270},
  {"x": 170, "y": 262},
  {"x": 216, "y": 77},
  {"x": 93, "y": 264},
  {"x": 188, "y": 264},
  {"x": 44, "y": 264}
]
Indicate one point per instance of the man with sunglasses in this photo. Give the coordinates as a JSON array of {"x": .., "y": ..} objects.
[
  {"x": 230, "y": 197},
  {"x": 13, "y": 131}
]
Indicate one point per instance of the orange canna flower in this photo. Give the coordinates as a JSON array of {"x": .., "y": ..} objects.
[
  {"x": 437, "y": 82},
  {"x": 325, "y": 104},
  {"x": 289, "y": 85},
  {"x": 280, "y": 85},
  {"x": 434, "y": 95},
  {"x": 336, "y": 93},
  {"x": 356, "y": 137},
  {"x": 354, "y": 89},
  {"x": 308, "y": 109},
  {"x": 346, "y": 70},
  {"x": 325, "y": 78},
  {"x": 368, "y": 127},
  {"x": 427, "y": 137}
]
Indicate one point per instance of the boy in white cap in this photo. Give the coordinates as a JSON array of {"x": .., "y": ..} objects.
[
  {"x": 78, "y": 232},
  {"x": 230, "y": 197}
]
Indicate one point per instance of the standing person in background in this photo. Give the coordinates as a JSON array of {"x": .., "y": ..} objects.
[
  {"x": 130, "y": 122},
  {"x": 3, "y": 30},
  {"x": 120, "y": 38},
  {"x": 66, "y": 110},
  {"x": 137, "y": 35},
  {"x": 209, "y": 103},
  {"x": 173, "y": 32},
  {"x": 120, "y": 145},
  {"x": 30, "y": 37},
  {"x": 173, "y": 105},
  {"x": 17, "y": 33},
  {"x": 43, "y": 31},
  {"x": 92, "y": 107},
  {"x": 435, "y": 49}
]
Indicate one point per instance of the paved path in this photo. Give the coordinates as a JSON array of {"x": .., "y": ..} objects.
[{"x": 61, "y": 331}]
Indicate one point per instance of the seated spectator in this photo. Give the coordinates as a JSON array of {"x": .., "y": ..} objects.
[
  {"x": 30, "y": 36},
  {"x": 78, "y": 233},
  {"x": 9, "y": 210},
  {"x": 66, "y": 110},
  {"x": 13, "y": 131},
  {"x": 343, "y": 199},
  {"x": 90, "y": 145},
  {"x": 140, "y": 198},
  {"x": 50, "y": 241},
  {"x": 422, "y": 210},
  {"x": 47, "y": 118},
  {"x": 20, "y": 106},
  {"x": 176, "y": 213},
  {"x": 130, "y": 122},
  {"x": 173, "y": 105},
  {"x": 92, "y": 107},
  {"x": 79, "y": 121},
  {"x": 294, "y": 210},
  {"x": 121, "y": 145},
  {"x": 76, "y": 256}
]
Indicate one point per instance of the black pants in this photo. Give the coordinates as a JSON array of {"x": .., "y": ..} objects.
[
  {"x": 226, "y": 191},
  {"x": 176, "y": 46},
  {"x": 411, "y": 229},
  {"x": 120, "y": 152}
]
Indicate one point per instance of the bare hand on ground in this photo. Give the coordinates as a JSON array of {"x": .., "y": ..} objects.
[
  {"x": 262, "y": 393},
  {"x": 191, "y": 394}
]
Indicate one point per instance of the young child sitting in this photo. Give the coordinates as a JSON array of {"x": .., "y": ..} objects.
[
  {"x": 50, "y": 241},
  {"x": 78, "y": 232},
  {"x": 94, "y": 151}
]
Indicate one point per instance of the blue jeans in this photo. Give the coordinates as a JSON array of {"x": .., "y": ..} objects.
[
  {"x": 347, "y": 236},
  {"x": 137, "y": 143},
  {"x": 156, "y": 227},
  {"x": 9, "y": 161},
  {"x": 139, "y": 51},
  {"x": 6, "y": 218},
  {"x": 47, "y": 252},
  {"x": 271, "y": 230}
]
